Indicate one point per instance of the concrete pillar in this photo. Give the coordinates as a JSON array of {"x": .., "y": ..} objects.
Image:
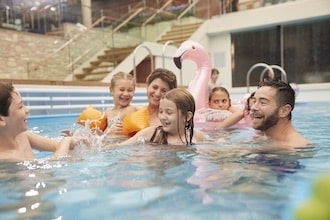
[{"x": 86, "y": 11}]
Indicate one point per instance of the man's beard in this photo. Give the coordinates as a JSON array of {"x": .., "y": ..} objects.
[{"x": 270, "y": 121}]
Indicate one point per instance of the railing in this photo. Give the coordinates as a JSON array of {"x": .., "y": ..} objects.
[
  {"x": 91, "y": 41},
  {"x": 134, "y": 59},
  {"x": 167, "y": 43},
  {"x": 84, "y": 43},
  {"x": 158, "y": 11},
  {"x": 77, "y": 50},
  {"x": 187, "y": 9},
  {"x": 265, "y": 68}
]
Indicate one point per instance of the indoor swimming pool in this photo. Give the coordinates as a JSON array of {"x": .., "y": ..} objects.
[{"x": 162, "y": 182}]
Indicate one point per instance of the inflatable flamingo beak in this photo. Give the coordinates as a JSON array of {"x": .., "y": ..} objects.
[{"x": 177, "y": 61}]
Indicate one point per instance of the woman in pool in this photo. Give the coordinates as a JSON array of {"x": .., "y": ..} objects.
[
  {"x": 176, "y": 113},
  {"x": 158, "y": 83},
  {"x": 122, "y": 88},
  {"x": 16, "y": 141},
  {"x": 219, "y": 99}
]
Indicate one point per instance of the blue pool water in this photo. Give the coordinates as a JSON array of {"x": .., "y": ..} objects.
[{"x": 162, "y": 182}]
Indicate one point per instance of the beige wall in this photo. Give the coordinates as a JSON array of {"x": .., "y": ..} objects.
[{"x": 18, "y": 50}]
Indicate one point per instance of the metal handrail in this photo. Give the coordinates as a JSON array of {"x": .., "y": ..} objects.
[
  {"x": 138, "y": 11},
  {"x": 283, "y": 73},
  {"x": 250, "y": 71},
  {"x": 79, "y": 35},
  {"x": 170, "y": 42},
  {"x": 267, "y": 68},
  {"x": 67, "y": 44},
  {"x": 134, "y": 59},
  {"x": 187, "y": 9},
  {"x": 161, "y": 10}
]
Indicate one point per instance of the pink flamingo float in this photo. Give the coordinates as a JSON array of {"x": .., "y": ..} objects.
[{"x": 198, "y": 87}]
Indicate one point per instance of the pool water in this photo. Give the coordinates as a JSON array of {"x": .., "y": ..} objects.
[{"x": 162, "y": 182}]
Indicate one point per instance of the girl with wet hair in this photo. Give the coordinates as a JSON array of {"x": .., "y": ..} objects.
[{"x": 176, "y": 113}]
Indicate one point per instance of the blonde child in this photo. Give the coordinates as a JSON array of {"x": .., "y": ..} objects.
[
  {"x": 176, "y": 113},
  {"x": 122, "y": 88},
  {"x": 219, "y": 99},
  {"x": 17, "y": 143}
]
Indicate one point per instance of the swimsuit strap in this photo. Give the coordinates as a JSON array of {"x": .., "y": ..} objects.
[{"x": 115, "y": 119}]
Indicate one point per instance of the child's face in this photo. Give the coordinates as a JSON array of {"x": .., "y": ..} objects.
[
  {"x": 214, "y": 77},
  {"x": 156, "y": 90},
  {"x": 123, "y": 92},
  {"x": 170, "y": 116},
  {"x": 219, "y": 100},
  {"x": 18, "y": 114}
]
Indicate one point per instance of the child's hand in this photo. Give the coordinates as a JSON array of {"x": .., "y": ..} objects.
[
  {"x": 116, "y": 128},
  {"x": 97, "y": 131},
  {"x": 66, "y": 133}
]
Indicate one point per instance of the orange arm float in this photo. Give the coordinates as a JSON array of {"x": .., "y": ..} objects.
[
  {"x": 96, "y": 118},
  {"x": 135, "y": 121}
]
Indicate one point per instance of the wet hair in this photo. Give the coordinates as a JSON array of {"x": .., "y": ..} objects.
[
  {"x": 165, "y": 75},
  {"x": 121, "y": 75},
  {"x": 248, "y": 101},
  {"x": 285, "y": 94},
  {"x": 222, "y": 89},
  {"x": 6, "y": 90},
  {"x": 185, "y": 103}
]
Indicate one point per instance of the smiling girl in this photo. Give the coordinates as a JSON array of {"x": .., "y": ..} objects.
[
  {"x": 176, "y": 113},
  {"x": 122, "y": 88}
]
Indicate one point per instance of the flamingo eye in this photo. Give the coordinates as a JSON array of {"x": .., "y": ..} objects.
[{"x": 193, "y": 47}]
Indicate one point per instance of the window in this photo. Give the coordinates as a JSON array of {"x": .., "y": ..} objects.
[{"x": 304, "y": 56}]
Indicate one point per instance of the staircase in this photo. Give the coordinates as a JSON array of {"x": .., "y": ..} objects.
[
  {"x": 179, "y": 33},
  {"x": 102, "y": 65}
]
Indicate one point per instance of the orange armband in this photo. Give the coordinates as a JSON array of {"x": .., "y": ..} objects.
[
  {"x": 135, "y": 121},
  {"x": 96, "y": 118}
]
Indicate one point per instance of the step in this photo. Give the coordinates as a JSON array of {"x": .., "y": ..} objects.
[
  {"x": 115, "y": 59},
  {"x": 176, "y": 39},
  {"x": 180, "y": 28},
  {"x": 126, "y": 50}
]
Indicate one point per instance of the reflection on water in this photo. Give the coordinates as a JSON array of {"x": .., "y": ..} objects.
[
  {"x": 23, "y": 187},
  {"x": 148, "y": 178},
  {"x": 204, "y": 181}
]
